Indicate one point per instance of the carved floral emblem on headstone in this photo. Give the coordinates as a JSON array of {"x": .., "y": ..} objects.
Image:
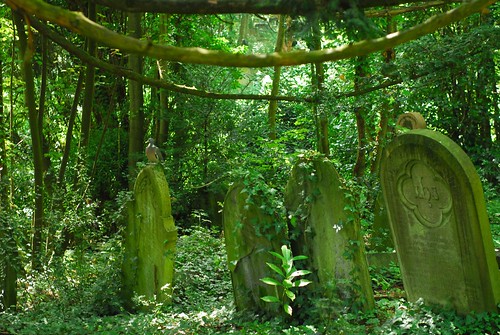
[{"x": 426, "y": 194}]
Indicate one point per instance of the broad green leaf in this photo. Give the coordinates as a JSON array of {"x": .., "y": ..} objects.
[
  {"x": 276, "y": 269},
  {"x": 290, "y": 295},
  {"x": 302, "y": 283},
  {"x": 288, "y": 309},
  {"x": 287, "y": 283},
  {"x": 275, "y": 254},
  {"x": 270, "y": 298},
  {"x": 300, "y": 257},
  {"x": 270, "y": 281},
  {"x": 287, "y": 253},
  {"x": 299, "y": 273},
  {"x": 289, "y": 269}
]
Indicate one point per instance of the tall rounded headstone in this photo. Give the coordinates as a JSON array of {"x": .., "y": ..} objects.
[
  {"x": 150, "y": 239},
  {"x": 327, "y": 234},
  {"x": 438, "y": 217},
  {"x": 250, "y": 233}
]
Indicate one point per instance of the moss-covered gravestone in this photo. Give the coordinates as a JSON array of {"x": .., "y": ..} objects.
[
  {"x": 325, "y": 232},
  {"x": 437, "y": 214},
  {"x": 150, "y": 239},
  {"x": 250, "y": 234}
]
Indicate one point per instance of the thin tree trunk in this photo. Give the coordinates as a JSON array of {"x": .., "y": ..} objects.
[
  {"x": 71, "y": 123},
  {"x": 11, "y": 112},
  {"x": 4, "y": 171},
  {"x": 48, "y": 176},
  {"x": 242, "y": 35},
  {"x": 8, "y": 274},
  {"x": 164, "y": 118},
  {"x": 360, "y": 114},
  {"x": 136, "y": 116},
  {"x": 386, "y": 112},
  {"x": 88, "y": 98},
  {"x": 273, "y": 104},
  {"x": 26, "y": 52},
  {"x": 318, "y": 78}
]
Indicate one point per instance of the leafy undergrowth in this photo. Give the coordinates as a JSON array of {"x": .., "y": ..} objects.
[{"x": 79, "y": 294}]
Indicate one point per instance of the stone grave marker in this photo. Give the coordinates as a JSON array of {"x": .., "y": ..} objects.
[
  {"x": 381, "y": 238},
  {"x": 324, "y": 232},
  {"x": 150, "y": 239},
  {"x": 248, "y": 244},
  {"x": 411, "y": 120},
  {"x": 439, "y": 222}
]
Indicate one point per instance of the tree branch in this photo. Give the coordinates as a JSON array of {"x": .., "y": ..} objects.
[
  {"x": 160, "y": 83},
  {"x": 297, "y": 7},
  {"x": 78, "y": 23},
  {"x": 401, "y": 10}
]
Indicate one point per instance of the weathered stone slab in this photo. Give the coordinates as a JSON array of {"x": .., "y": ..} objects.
[
  {"x": 150, "y": 238},
  {"x": 250, "y": 234},
  {"x": 381, "y": 259},
  {"x": 440, "y": 226},
  {"x": 381, "y": 236},
  {"x": 324, "y": 231}
]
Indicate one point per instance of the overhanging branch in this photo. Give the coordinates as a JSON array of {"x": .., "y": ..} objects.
[
  {"x": 160, "y": 83},
  {"x": 78, "y": 23},
  {"x": 289, "y": 7}
]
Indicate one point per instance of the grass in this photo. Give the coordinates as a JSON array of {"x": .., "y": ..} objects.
[{"x": 80, "y": 294}]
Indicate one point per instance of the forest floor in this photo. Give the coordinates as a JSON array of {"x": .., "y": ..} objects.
[{"x": 80, "y": 294}]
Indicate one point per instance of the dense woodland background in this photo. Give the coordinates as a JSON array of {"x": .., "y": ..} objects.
[{"x": 75, "y": 117}]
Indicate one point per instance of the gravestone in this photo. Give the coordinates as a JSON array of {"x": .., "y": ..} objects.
[
  {"x": 411, "y": 120},
  {"x": 439, "y": 222},
  {"x": 248, "y": 247},
  {"x": 327, "y": 234},
  {"x": 381, "y": 238},
  {"x": 150, "y": 239}
]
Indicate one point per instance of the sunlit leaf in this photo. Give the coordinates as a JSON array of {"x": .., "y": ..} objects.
[
  {"x": 270, "y": 298},
  {"x": 276, "y": 269},
  {"x": 270, "y": 281}
]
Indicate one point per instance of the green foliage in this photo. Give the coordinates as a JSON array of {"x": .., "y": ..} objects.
[
  {"x": 110, "y": 168},
  {"x": 386, "y": 279},
  {"x": 287, "y": 278},
  {"x": 78, "y": 294},
  {"x": 201, "y": 276},
  {"x": 416, "y": 318}
]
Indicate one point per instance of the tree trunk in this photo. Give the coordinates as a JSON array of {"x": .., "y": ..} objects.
[
  {"x": 318, "y": 78},
  {"x": 164, "y": 128},
  {"x": 360, "y": 114},
  {"x": 387, "y": 111},
  {"x": 4, "y": 172},
  {"x": 243, "y": 29},
  {"x": 88, "y": 98},
  {"x": 273, "y": 104},
  {"x": 26, "y": 52},
  {"x": 8, "y": 258},
  {"x": 48, "y": 176},
  {"x": 71, "y": 123},
  {"x": 136, "y": 116}
]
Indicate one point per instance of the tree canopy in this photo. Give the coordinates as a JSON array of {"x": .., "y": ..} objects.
[{"x": 81, "y": 25}]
